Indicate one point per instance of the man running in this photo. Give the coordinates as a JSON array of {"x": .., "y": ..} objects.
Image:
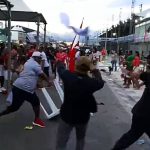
[{"x": 24, "y": 88}]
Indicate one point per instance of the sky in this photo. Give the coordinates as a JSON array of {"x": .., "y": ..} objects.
[{"x": 98, "y": 14}]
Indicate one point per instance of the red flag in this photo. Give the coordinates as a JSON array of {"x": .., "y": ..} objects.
[{"x": 72, "y": 52}]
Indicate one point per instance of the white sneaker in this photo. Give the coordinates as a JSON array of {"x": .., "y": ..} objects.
[{"x": 3, "y": 89}]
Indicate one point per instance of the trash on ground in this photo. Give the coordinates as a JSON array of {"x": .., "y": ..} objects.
[
  {"x": 140, "y": 142},
  {"x": 28, "y": 127}
]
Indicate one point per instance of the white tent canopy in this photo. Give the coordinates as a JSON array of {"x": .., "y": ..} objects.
[{"x": 17, "y": 28}]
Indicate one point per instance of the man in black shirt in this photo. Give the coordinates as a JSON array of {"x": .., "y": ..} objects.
[
  {"x": 79, "y": 101},
  {"x": 141, "y": 116}
]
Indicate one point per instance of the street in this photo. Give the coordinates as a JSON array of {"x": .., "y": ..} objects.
[
  {"x": 40, "y": 39},
  {"x": 105, "y": 127}
]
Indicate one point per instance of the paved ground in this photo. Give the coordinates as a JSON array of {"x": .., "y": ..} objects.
[
  {"x": 127, "y": 96},
  {"x": 105, "y": 127}
]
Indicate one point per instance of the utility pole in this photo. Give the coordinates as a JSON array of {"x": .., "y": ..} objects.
[
  {"x": 106, "y": 40},
  {"x": 119, "y": 29},
  {"x": 141, "y": 7},
  {"x": 131, "y": 19},
  {"x": 111, "y": 32}
]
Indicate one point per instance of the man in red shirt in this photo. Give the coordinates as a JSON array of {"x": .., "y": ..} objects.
[{"x": 61, "y": 56}]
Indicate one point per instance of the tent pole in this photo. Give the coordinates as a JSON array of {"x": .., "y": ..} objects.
[
  {"x": 38, "y": 30},
  {"x": 9, "y": 45},
  {"x": 44, "y": 34}
]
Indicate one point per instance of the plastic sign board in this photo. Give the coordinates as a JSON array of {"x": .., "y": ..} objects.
[{"x": 51, "y": 99}]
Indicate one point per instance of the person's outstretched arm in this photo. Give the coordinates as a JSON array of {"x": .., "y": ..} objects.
[{"x": 60, "y": 68}]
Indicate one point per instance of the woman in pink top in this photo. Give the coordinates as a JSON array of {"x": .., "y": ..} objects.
[
  {"x": 136, "y": 61},
  {"x": 136, "y": 70}
]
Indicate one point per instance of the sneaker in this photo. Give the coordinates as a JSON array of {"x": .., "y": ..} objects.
[
  {"x": 38, "y": 122},
  {"x": 3, "y": 89}
]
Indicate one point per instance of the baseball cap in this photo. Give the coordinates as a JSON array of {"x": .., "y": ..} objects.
[{"x": 36, "y": 54}]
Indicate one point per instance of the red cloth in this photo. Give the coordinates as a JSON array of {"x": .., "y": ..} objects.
[
  {"x": 71, "y": 56},
  {"x": 136, "y": 61}
]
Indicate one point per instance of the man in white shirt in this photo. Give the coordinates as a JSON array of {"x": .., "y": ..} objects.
[
  {"x": 24, "y": 88},
  {"x": 45, "y": 64}
]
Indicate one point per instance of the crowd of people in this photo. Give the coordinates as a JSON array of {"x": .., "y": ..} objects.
[
  {"x": 80, "y": 77},
  {"x": 140, "y": 119},
  {"x": 73, "y": 69},
  {"x": 131, "y": 66}
]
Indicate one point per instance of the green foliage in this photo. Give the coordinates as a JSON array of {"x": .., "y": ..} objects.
[{"x": 121, "y": 29}]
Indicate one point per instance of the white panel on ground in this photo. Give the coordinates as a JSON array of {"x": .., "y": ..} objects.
[
  {"x": 59, "y": 89},
  {"x": 54, "y": 109},
  {"x": 51, "y": 98}
]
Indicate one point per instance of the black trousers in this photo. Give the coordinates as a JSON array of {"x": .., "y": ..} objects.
[
  {"x": 139, "y": 126},
  {"x": 53, "y": 66},
  {"x": 1, "y": 81},
  {"x": 46, "y": 71},
  {"x": 19, "y": 96},
  {"x": 64, "y": 131}
]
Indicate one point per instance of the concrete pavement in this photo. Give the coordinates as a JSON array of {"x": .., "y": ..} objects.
[
  {"x": 105, "y": 127},
  {"x": 128, "y": 96}
]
